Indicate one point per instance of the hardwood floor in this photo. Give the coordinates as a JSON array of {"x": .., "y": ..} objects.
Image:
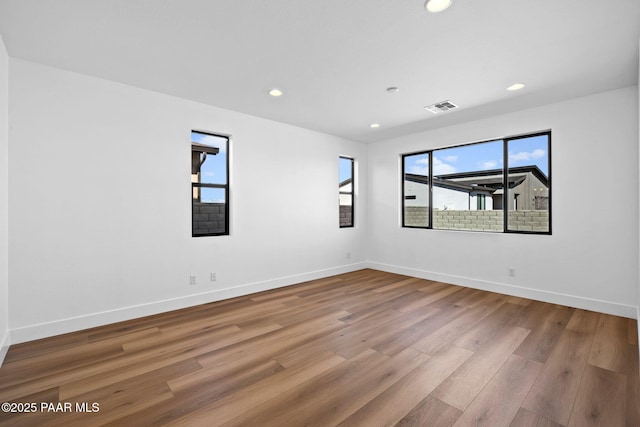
[{"x": 361, "y": 349}]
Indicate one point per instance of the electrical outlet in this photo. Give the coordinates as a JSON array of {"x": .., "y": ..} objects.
[
  {"x": 212, "y": 277},
  {"x": 512, "y": 272},
  {"x": 193, "y": 280}
]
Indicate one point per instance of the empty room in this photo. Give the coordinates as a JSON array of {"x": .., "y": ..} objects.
[{"x": 295, "y": 213}]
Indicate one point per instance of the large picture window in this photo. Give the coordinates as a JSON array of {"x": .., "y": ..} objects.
[
  {"x": 209, "y": 184},
  {"x": 502, "y": 185}
]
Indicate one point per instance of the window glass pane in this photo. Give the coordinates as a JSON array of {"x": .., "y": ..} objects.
[
  {"x": 209, "y": 211},
  {"x": 209, "y": 153},
  {"x": 468, "y": 187},
  {"x": 345, "y": 191},
  {"x": 416, "y": 190},
  {"x": 528, "y": 177},
  {"x": 212, "y": 195}
]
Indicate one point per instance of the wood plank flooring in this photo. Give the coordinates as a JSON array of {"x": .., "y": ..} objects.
[{"x": 366, "y": 348}]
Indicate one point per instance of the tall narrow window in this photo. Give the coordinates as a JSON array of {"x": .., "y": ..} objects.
[
  {"x": 346, "y": 186},
  {"x": 209, "y": 184},
  {"x": 529, "y": 197},
  {"x": 416, "y": 194}
]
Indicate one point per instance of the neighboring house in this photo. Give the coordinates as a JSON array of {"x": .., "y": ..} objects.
[
  {"x": 480, "y": 190},
  {"x": 198, "y": 157},
  {"x": 346, "y": 192}
]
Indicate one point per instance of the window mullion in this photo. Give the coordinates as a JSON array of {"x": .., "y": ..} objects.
[
  {"x": 505, "y": 185},
  {"x": 430, "y": 210}
]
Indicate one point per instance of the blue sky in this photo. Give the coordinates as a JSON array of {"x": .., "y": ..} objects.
[
  {"x": 483, "y": 156},
  {"x": 213, "y": 170},
  {"x": 344, "y": 169}
]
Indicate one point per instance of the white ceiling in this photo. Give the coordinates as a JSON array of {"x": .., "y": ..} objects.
[{"x": 334, "y": 58}]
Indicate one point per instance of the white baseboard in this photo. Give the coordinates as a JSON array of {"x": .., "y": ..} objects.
[
  {"x": 49, "y": 329},
  {"x": 5, "y": 342},
  {"x": 600, "y": 306}
]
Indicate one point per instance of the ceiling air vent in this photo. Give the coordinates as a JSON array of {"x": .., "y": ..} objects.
[{"x": 441, "y": 107}]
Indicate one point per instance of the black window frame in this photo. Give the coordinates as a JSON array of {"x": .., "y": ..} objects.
[
  {"x": 507, "y": 168},
  {"x": 352, "y": 193},
  {"x": 505, "y": 175},
  {"x": 225, "y": 187},
  {"x": 429, "y": 225}
]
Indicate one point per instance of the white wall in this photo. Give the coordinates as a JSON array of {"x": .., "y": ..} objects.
[
  {"x": 4, "y": 201},
  {"x": 100, "y": 204},
  {"x": 590, "y": 261}
]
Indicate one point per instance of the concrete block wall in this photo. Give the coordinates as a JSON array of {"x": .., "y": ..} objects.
[
  {"x": 489, "y": 220},
  {"x": 468, "y": 220},
  {"x": 416, "y": 216},
  {"x": 345, "y": 215},
  {"x": 208, "y": 218},
  {"x": 529, "y": 220}
]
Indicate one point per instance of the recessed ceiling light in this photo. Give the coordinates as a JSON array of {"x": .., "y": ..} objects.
[
  {"x": 275, "y": 92},
  {"x": 375, "y": 125},
  {"x": 515, "y": 86},
  {"x": 392, "y": 89},
  {"x": 435, "y": 6}
]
